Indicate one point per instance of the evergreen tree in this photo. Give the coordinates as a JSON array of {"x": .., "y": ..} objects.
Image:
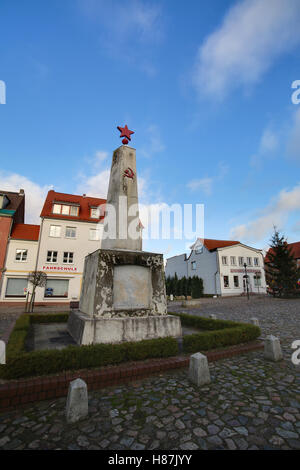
[{"x": 281, "y": 269}]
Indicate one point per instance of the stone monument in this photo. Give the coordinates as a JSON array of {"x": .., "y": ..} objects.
[{"x": 123, "y": 296}]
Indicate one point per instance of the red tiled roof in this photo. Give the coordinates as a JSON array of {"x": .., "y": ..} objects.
[
  {"x": 85, "y": 203},
  {"x": 214, "y": 244},
  {"x": 25, "y": 232},
  {"x": 295, "y": 248}
]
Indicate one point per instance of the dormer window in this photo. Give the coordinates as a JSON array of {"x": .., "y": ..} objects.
[
  {"x": 95, "y": 213},
  {"x": 64, "y": 209}
]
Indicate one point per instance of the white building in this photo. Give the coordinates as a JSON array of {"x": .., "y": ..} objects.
[
  {"x": 221, "y": 265},
  {"x": 71, "y": 228},
  {"x": 20, "y": 261}
]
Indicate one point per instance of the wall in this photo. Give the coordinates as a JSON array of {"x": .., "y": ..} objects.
[
  {"x": 240, "y": 250},
  {"x": 5, "y": 225}
]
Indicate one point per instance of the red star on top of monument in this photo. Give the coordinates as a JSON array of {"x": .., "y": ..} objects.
[{"x": 125, "y": 132}]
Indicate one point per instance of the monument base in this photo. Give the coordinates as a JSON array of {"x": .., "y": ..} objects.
[{"x": 88, "y": 330}]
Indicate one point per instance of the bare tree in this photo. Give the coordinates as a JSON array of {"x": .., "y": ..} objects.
[{"x": 36, "y": 279}]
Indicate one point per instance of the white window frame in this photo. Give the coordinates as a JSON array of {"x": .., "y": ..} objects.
[
  {"x": 51, "y": 256},
  {"x": 194, "y": 265},
  {"x": 68, "y": 257},
  {"x": 241, "y": 261},
  {"x": 226, "y": 287},
  {"x": 224, "y": 258},
  {"x": 16, "y": 296},
  {"x": 23, "y": 252},
  {"x": 55, "y": 227},
  {"x": 71, "y": 228},
  {"x": 94, "y": 230},
  {"x": 65, "y": 209},
  {"x": 249, "y": 261},
  {"x": 255, "y": 262},
  {"x": 95, "y": 213},
  {"x": 238, "y": 282},
  {"x": 232, "y": 260}
]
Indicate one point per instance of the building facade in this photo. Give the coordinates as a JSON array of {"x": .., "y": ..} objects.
[
  {"x": 71, "y": 228},
  {"x": 220, "y": 264},
  {"x": 12, "y": 207}
]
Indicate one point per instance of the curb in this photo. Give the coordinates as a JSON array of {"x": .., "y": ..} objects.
[{"x": 23, "y": 391}]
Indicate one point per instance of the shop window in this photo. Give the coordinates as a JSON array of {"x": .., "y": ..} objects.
[
  {"x": 57, "y": 288},
  {"x": 16, "y": 287}
]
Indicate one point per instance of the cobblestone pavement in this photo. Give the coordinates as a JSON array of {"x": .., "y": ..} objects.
[{"x": 250, "y": 404}]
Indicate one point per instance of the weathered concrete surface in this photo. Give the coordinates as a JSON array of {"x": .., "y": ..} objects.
[
  {"x": 77, "y": 401},
  {"x": 88, "y": 330},
  {"x": 199, "y": 371},
  {"x": 101, "y": 285},
  {"x": 2, "y": 352},
  {"x": 254, "y": 321},
  {"x": 272, "y": 350},
  {"x": 132, "y": 287},
  {"x": 123, "y": 196}
]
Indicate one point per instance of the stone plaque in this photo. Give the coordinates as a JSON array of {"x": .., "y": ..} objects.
[{"x": 131, "y": 287}]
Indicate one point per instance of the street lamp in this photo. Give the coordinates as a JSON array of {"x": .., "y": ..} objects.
[{"x": 246, "y": 278}]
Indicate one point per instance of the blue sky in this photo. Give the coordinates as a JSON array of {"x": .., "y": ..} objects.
[{"x": 206, "y": 86}]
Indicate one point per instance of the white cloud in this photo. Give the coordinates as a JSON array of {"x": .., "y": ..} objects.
[
  {"x": 34, "y": 194},
  {"x": 206, "y": 184},
  {"x": 126, "y": 29},
  {"x": 153, "y": 142},
  {"x": 276, "y": 213},
  {"x": 203, "y": 184},
  {"x": 269, "y": 143},
  {"x": 254, "y": 33}
]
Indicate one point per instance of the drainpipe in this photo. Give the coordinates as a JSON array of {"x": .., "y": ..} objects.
[{"x": 218, "y": 271}]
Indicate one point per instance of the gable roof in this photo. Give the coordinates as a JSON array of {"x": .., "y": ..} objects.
[
  {"x": 85, "y": 204},
  {"x": 212, "y": 245},
  {"x": 295, "y": 249},
  {"x": 25, "y": 232}
]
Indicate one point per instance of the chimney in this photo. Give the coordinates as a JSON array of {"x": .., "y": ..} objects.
[
  {"x": 21, "y": 192},
  {"x": 84, "y": 195}
]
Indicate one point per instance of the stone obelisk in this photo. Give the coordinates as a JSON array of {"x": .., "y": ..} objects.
[{"x": 123, "y": 296}]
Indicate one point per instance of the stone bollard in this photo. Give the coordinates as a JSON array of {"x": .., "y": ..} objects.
[
  {"x": 254, "y": 321},
  {"x": 77, "y": 401},
  {"x": 272, "y": 350},
  {"x": 199, "y": 371},
  {"x": 2, "y": 352},
  {"x": 213, "y": 316}
]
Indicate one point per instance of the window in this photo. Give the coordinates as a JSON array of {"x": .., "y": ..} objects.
[
  {"x": 68, "y": 257},
  {"x": 51, "y": 256},
  {"x": 57, "y": 288},
  {"x": 94, "y": 234},
  {"x": 226, "y": 281},
  {"x": 65, "y": 209},
  {"x": 241, "y": 261},
  {"x": 95, "y": 213},
  {"x": 232, "y": 260},
  {"x": 74, "y": 211},
  {"x": 236, "y": 281},
  {"x": 249, "y": 261},
  {"x": 70, "y": 232},
  {"x": 21, "y": 255},
  {"x": 56, "y": 208},
  {"x": 224, "y": 259},
  {"x": 16, "y": 287},
  {"x": 256, "y": 263},
  {"x": 55, "y": 231},
  {"x": 194, "y": 266},
  {"x": 257, "y": 280}
]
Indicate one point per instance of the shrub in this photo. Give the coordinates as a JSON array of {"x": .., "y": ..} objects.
[
  {"x": 220, "y": 333},
  {"x": 26, "y": 364}
]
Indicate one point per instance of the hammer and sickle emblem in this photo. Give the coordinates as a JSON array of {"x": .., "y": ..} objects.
[{"x": 129, "y": 173}]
